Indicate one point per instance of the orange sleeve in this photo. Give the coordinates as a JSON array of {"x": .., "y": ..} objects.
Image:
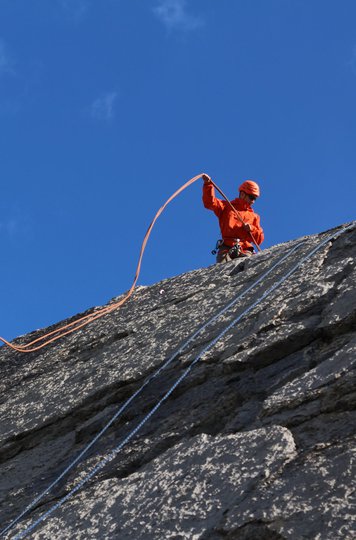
[
  {"x": 210, "y": 201},
  {"x": 257, "y": 230}
]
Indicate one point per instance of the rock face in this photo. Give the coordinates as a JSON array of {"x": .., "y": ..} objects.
[{"x": 247, "y": 432}]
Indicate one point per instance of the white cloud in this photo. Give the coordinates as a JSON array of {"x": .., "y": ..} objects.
[
  {"x": 102, "y": 108},
  {"x": 173, "y": 14}
]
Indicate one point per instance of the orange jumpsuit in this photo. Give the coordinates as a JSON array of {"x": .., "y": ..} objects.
[{"x": 230, "y": 226}]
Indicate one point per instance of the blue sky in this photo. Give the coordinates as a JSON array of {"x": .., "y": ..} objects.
[{"x": 108, "y": 106}]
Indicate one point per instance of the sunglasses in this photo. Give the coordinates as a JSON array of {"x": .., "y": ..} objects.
[{"x": 251, "y": 197}]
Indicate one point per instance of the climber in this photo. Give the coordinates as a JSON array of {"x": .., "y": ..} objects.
[{"x": 237, "y": 234}]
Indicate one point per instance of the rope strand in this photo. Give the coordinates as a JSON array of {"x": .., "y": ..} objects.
[{"x": 76, "y": 325}]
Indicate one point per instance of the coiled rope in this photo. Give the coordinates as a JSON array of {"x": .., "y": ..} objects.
[
  {"x": 50, "y": 337},
  {"x": 118, "y": 448},
  {"x": 179, "y": 351}
]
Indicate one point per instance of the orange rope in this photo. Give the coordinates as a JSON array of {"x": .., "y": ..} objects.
[{"x": 83, "y": 321}]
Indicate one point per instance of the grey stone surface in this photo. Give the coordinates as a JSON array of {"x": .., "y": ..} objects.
[{"x": 257, "y": 441}]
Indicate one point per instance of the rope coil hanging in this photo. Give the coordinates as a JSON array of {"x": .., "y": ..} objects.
[{"x": 50, "y": 337}]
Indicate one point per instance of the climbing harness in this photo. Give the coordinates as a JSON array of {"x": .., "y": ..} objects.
[
  {"x": 118, "y": 448},
  {"x": 69, "y": 328},
  {"x": 234, "y": 251},
  {"x": 225, "y": 252}
]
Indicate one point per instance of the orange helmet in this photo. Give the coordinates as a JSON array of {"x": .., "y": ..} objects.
[{"x": 250, "y": 187}]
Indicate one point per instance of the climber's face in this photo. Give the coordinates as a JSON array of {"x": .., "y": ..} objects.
[{"x": 250, "y": 199}]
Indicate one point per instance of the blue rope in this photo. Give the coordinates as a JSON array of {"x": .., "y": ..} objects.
[
  {"x": 117, "y": 449},
  {"x": 145, "y": 383}
]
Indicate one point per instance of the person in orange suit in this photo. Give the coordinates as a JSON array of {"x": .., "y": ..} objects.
[{"x": 237, "y": 236}]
